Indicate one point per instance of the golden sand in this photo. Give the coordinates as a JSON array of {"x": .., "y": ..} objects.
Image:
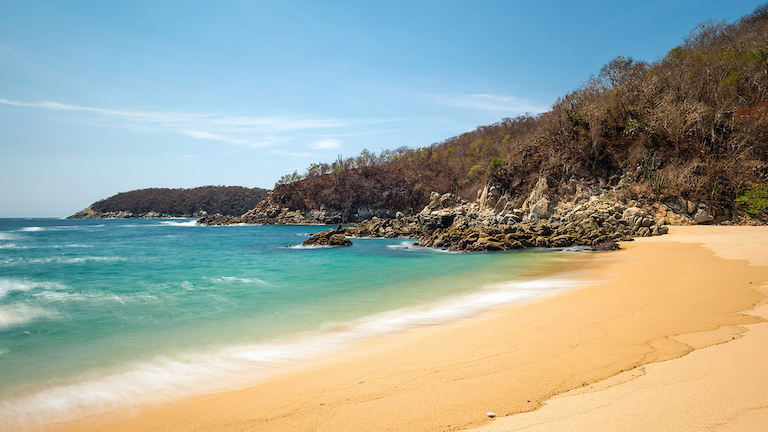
[{"x": 626, "y": 345}]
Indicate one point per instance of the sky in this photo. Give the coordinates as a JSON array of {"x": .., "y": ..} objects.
[{"x": 98, "y": 98}]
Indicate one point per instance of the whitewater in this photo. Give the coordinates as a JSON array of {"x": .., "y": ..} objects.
[{"x": 102, "y": 314}]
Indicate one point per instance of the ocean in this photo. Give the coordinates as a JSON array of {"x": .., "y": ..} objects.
[{"x": 100, "y": 314}]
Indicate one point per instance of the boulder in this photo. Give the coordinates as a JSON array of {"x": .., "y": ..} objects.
[
  {"x": 447, "y": 200},
  {"x": 539, "y": 211},
  {"x": 493, "y": 197},
  {"x": 332, "y": 237},
  {"x": 632, "y": 212},
  {"x": 702, "y": 216}
]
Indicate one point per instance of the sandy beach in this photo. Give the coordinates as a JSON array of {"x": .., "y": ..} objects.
[{"x": 668, "y": 333}]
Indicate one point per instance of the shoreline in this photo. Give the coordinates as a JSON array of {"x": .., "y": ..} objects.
[{"x": 449, "y": 377}]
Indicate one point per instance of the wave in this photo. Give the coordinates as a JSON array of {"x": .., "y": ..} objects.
[
  {"x": 241, "y": 224},
  {"x": 55, "y": 228},
  {"x": 15, "y": 315},
  {"x": 32, "y": 229},
  {"x": 9, "y": 285},
  {"x": 405, "y": 245},
  {"x": 186, "y": 223},
  {"x": 301, "y": 246},
  {"x": 46, "y": 293},
  {"x": 67, "y": 246},
  {"x": 6, "y": 236},
  {"x": 166, "y": 379},
  {"x": 229, "y": 279},
  {"x": 72, "y": 260},
  {"x": 409, "y": 246}
]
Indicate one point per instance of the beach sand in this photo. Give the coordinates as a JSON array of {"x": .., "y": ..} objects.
[{"x": 656, "y": 340}]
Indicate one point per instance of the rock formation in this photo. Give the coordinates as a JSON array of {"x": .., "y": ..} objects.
[
  {"x": 574, "y": 213},
  {"x": 332, "y": 237}
]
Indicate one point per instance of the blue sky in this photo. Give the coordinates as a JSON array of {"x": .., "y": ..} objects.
[{"x": 102, "y": 97}]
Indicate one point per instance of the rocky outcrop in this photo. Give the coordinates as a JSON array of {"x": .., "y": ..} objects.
[
  {"x": 539, "y": 223},
  {"x": 332, "y": 237},
  {"x": 574, "y": 213},
  {"x": 268, "y": 213}
]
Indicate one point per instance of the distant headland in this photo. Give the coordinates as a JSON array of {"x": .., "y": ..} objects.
[{"x": 173, "y": 203}]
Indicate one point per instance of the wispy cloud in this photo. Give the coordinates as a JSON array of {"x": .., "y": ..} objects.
[
  {"x": 367, "y": 133},
  {"x": 237, "y": 130},
  {"x": 294, "y": 154},
  {"x": 488, "y": 102},
  {"x": 203, "y": 135},
  {"x": 325, "y": 144}
]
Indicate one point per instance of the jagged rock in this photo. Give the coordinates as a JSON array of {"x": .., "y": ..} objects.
[
  {"x": 538, "y": 192},
  {"x": 447, "y": 200},
  {"x": 493, "y": 196},
  {"x": 539, "y": 211},
  {"x": 501, "y": 204},
  {"x": 633, "y": 212},
  {"x": 691, "y": 207},
  {"x": 592, "y": 216},
  {"x": 332, "y": 237},
  {"x": 702, "y": 216}
]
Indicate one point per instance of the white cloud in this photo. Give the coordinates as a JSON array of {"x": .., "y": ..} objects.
[
  {"x": 295, "y": 154},
  {"x": 326, "y": 144},
  {"x": 488, "y": 102},
  {"x": 203, "y": 135},
  {"x": 236, "y": 130}
]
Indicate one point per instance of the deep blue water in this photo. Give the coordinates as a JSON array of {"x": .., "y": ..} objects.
[{"x": 96, "y": 314}]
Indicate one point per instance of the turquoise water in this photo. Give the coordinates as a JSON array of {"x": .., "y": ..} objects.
[{"x": 96, "y": 314}]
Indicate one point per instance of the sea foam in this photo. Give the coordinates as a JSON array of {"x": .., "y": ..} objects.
[
  {"x": 74, "y": 260},
  {"x": 243, "y": 280},
  {"x": 15, "y": 315},
  {"x": 5, "y": 236},
  {"x": 32, "y": 229},
  {"x": 8, "y": 285},
  {"x": 186, "y": 223}
]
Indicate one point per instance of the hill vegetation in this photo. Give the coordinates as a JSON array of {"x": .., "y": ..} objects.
[
  {"x": 692, "y": 125},
  {"x": 224, "y": 200}
]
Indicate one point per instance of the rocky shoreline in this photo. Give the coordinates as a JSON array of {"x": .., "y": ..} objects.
[{"x": 573, "y": 215}]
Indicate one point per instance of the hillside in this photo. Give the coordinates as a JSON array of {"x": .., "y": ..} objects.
[
  {"x": 691, "y": 127},
  {"x": 162, "y": 202}
]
